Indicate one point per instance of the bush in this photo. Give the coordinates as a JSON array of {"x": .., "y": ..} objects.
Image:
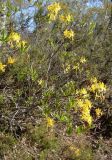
[{"x": 57, "y": 81}]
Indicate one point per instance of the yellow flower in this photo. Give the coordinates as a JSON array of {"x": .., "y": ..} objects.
[
  {"x": 53, "y": 11},
  {"x": 80, "y": 103},
  {"x": 14, "y": 37},
  {"x": 21, "y": 44},
  {"x": 87, "y": 103},
  {"x": 75, "y": 150},
  {"x": 62, "y": 18},
  {"x": 50, "y": 122},
  {"x": 87, "y": 117},
  {"x": 101, "y": 87},
  {"x": 41, "y": 82},
  {"x": 97, "y": 86},
  {"x": 67, "y": 68},
  {"x": 2, "y": 67},
  {"x": 52, "y": 17},
  {"x": 82, "y": 60},
  {"x": 66, "y": 18},
  {"x": 72, "y": 148},
  {"x": 54, "y": 8},
  {"x": 94, "y": 80},
  {"x": 76, "y": 67},
  {"x": 11, "y": 60},
  {"x": 85, "y": 106},
  {"x": 93, "y": 87},
  {"x": 69, "y": 34},
  {"x": 98, "y": 112},
  {"x": 83, "y": 91}
]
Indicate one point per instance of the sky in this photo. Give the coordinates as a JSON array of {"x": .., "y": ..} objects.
[
  {"x": 94, "y": 3},
  {"x": 29, "y": 11}
]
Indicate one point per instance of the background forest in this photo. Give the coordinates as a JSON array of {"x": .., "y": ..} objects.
[{"x": 55, "y": 80}]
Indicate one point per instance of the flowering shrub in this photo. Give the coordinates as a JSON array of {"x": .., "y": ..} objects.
[{"x": 51, "y": 87}]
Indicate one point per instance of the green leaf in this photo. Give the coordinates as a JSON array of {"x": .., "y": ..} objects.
[
  {"x": 91, "y": 27},
  {"x": 80, "y": 129},
  {"x": 69, "y": 129}
]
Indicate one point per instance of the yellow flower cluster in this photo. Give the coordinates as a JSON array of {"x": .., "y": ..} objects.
[
  {"x": 11, "y": 60},
  {"x": 83, "y": 60},
  {"x": 97, "y": 86},
  {"x": 55, "y": 7},
  {"x": 2, "y": 67},
  {"x": 22, "y": 44},
  {"x": 41, "y": 82},
  {"x": 50, "y": 122},
  {"x": 85, "y": 106},
  {"x": 53, "y": 10},
  {"x": 98, "y": 112},
  {"x": 66, "y": 68},
  {"x": 15, "y": 38},
  {"x": 75, "y": 150},
  {"x": 69, "y": 34},
  {"x": 76, "y": 67},
  {"x": 87, "y": 117},
  {"x": 66, "y": 18},
  {"x": 82, "y": 93},
  {"x": 52, "y": 17}
]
